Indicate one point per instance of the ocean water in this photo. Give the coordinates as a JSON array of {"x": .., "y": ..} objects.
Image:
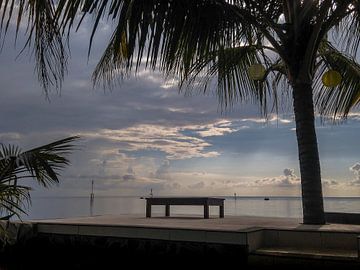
[{"x": 63, "y": 207}]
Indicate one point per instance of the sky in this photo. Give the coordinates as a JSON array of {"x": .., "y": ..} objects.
[{"x": 144, "y": 134}]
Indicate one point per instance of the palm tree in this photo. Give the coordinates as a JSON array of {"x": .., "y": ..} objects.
[
  {"x": 42, "y": 163},
  {"x": 211, "y": 44}
]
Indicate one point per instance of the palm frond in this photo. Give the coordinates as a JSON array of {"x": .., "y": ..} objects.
[
  {"x": 13, "y": 200},
  {"x": 43, "y": 37},
  {"x": 345, "y": 23},
  {"x": 168, "y": 35},
  {"x": 229, "y": 68},
  {"x": 43, "y": 163},
  {"x": 337, "y": 101}
]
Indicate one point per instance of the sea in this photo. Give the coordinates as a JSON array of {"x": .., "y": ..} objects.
[{"x": 67, "y": 207}]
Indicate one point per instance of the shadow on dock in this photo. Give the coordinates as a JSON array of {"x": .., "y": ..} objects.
[{"x": 86, "y": 252}]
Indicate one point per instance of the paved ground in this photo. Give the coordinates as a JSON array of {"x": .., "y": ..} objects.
[{"x": 229, "y": 223}]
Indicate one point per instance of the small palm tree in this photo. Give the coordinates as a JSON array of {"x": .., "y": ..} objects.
[
  {"x": 42, "y": 163},
  {"x": 199, "y": 41}
]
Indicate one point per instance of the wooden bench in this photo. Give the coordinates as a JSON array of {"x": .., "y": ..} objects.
[{"x": 167, "y": 201}]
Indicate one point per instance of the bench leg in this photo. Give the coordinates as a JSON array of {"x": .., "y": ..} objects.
[
  {"x": 167, "y": 210},
  {"x": 221, "y": 211},
  {"x": 206, "y": 211},
  {"x": 148, "y": 210}
]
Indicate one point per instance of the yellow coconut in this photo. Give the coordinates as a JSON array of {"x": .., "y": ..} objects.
[
  {"x": 331, "y": 78},
  {"x": 256, "y": 72}
]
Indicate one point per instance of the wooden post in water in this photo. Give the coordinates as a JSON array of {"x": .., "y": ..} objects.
[{"x": 92, "y": 198}]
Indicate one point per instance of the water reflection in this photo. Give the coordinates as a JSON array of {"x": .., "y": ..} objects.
[{"x": 61, "y": 207}]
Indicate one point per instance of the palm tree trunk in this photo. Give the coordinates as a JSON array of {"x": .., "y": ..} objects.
[{"x": 312, "y": 198}]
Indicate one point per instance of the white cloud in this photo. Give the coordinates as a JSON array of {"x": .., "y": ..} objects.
[
  {"x": 272, "y": 118},
  {"x": 356, "y": 170},
  {"x": 169, "y": 84},
  {"x": 169, "y": 140},
  {"x": 287, "y": 180},
  {"x": 218, "y": 128}
]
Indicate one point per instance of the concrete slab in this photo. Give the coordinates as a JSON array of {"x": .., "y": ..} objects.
[
  {"x": 331, "y": 240},
  {"x": 229, "y": 223},
  {"x": 260, "y": 235},
  {"x": 302, "y": 239},
  {"x": 255, "y": 239}
]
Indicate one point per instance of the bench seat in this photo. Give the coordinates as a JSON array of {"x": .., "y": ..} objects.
[{"x": 167, "y": 201}]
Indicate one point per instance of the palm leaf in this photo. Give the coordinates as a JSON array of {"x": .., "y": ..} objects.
[
  {"x": 229, "y": 67},
  {"x": 168, "y": 34},
  {"x": 43, "y": 163},
  {"x": 345, "y": 25},
  {"x": 13, "y": 199},
  {"x": 43, "y": 37},
  {"x": 337, "y": 101}
]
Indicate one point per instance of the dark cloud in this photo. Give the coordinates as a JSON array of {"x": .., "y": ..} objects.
[{"x": 289, "y": 172}]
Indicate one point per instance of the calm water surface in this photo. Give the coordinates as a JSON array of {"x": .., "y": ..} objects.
[{"x": 62, "y": 207}]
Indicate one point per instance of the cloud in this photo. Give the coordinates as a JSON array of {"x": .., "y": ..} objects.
[
  {"x": 144, "y": 137},
  {"x": 289, "y": 172},
  {"x": 287, "y": 180},
  {"x": 355, "y": 183},
  {"x": 95, "y": 177},
  {"x": 218, "y": 128},
  {"x": 198, "y": 185},
  {"x": 130, "y": 174},
  {"x": 163, "y": 171},
  {"x": 175, "y": 185},
  {"x": 290, "y": 179},
  {"x": 330, "y": 183},
  {"x": 356, "y": 170},
  {"x": 272, "y": 118}
]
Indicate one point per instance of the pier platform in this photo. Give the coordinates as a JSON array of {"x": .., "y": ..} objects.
[{"x": 266, "y": 240}]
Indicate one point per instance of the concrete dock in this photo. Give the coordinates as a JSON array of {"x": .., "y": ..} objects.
[{"x": 266, "y": 240}]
